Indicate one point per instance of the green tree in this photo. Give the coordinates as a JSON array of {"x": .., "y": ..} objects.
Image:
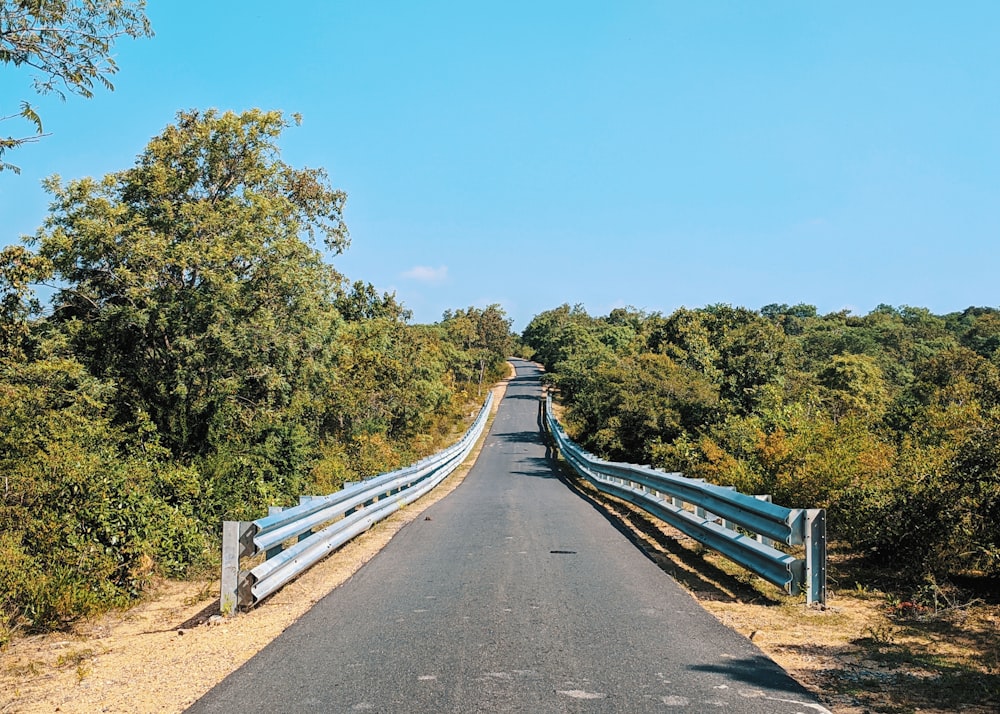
[
  {"x": 88, "y": 511},
  {"x": 484, "y": 336},
  {"x": 493, "y": 339},
  {"x": 361, "y": 301},
  {"x": 68, "y": 44},
  {"x": 545, "y": 332},
  {"x": 191, "y": 280},
  {"x": 979, "y": 329},
  {"x": 19, "y": 270},
  {"x": 742, "y": 351},
  {"x": 789, "y": 318},
  {"x": 854, "y": 385},
  {"x": 686, "y": 336},
  {"x": 640, "y": 403}
]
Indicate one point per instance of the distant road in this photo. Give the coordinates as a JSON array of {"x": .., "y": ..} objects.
[{"x": 510, "y": 595}]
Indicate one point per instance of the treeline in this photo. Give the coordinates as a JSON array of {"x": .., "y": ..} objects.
[
  {"x": 890, "y": 420},
  {"x": 196, "y": 359}
]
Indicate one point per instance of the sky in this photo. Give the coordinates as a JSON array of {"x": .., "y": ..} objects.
[{"x": 652, "y": 154}]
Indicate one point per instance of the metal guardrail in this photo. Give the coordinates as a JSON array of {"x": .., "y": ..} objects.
[
  {"x": 288, "y": 537},
  {"x": 713, "y": 514}
]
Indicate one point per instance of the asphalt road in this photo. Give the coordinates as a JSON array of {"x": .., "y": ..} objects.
[{"x": 512, "y": 594}]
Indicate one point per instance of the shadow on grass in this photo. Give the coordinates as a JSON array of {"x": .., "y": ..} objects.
[
  {"x": 201, "y": 617},
  {"x": 883, "y": 676}
]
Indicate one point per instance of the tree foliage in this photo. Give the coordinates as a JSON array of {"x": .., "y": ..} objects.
[
  {"x": 888, "y": 419},
  {"x": 67, "y": 44},
  {"x": 191, "y": 280},
  {"x": 199, "y": 360},
  {"x": 484, "y": 335}
]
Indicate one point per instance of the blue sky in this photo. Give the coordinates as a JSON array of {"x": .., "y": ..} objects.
[{"x": 645, "y": 153}]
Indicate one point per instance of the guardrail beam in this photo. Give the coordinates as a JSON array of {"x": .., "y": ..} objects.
[
  {"x": 769, "y": 522},
  {"x": 339, "y": 516}
]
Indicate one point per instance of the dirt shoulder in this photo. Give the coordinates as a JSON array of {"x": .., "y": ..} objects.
[{"x": 166, "y": 652}]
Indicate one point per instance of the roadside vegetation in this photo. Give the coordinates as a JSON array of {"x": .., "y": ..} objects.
[
  {"x": 913, "y": 614},
  {"x": 867, "y": 651},
  {"x": 197, "y": 358},
  {"x": 890, "y": 420}
]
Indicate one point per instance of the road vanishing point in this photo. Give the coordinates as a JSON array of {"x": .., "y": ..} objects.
[{"x": 512, "y": 594}]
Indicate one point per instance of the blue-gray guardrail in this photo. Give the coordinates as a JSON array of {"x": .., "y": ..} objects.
[
  {"x": 715, "y": 516},
  {"x": 289, "y": 537}
]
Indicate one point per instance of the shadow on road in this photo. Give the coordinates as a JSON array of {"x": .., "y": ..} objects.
[
  {"x": 538, "y": 467},
  {"x": 520, "y": 437},
  {"x": 524, "y": 378},
  {"x": 755, "y": 671}
]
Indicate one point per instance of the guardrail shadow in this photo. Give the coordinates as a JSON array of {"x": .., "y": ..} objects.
[
  {"x": 536, "y": 467},
  {"x": 538, "y": 438},
  {"x": 757, "y": 672},
  {"x": 199, "y": 618}
]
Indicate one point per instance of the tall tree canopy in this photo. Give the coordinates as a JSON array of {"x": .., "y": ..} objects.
[
  {"x": 67, "y": 43},
  {"x": 485, "y": 337},
  {"x": 198, "y": 360},
  {"x": 192, "y": 280}
]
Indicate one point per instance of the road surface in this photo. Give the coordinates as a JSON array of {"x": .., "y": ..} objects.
[{"x": 512, "y": 594}]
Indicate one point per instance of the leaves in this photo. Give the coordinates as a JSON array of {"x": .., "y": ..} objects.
[
  {"x": 190, "y": 277},
  {"x": 67, "y": 45},
  {"x": 888, "y": 419},
  {"x": 199, "y": 361}
]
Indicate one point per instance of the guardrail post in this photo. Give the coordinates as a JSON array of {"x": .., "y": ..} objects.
[
  {"x": 271, "y": 552},
  {"x": 815, "y": 542},
  {"x": 760, "y": 538},
  {"x": 343, "y": 487},
  {"x": 237, "y": 542},
  {"x": 306, "y": 499}
]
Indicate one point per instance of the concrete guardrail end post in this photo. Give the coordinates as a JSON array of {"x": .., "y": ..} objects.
[{"x": 237, "y": 542}]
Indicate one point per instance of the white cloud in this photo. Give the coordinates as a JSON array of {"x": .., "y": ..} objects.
[{"x": 425, "y": 274}]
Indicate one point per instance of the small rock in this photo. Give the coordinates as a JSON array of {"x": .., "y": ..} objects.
[
  {"x": 215, "y": 620},
  {"x": 428, "y": 518}
]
